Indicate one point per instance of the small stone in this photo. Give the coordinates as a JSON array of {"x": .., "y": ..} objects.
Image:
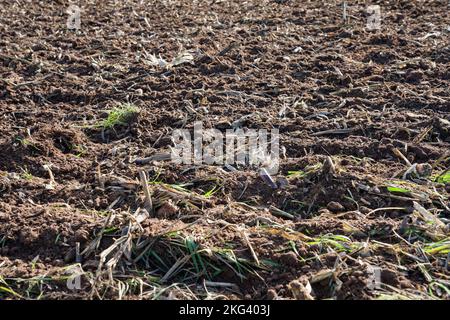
[
  {"x": 282, "y": 182},
  {"x": 334, "y": 206},
  {"x": 272, "y": 295},
  {"x": 168, "y": 210},
  {"x": 424, "y": 169},
  {"x": 301, "y": 289},
  {"x": 414, "y": 76},
  {"x": 364, "y": 210},
  {"x": 289, "y": 259},
  {"x": 81, "y": 235},
  {"x": 389, "y": 277}
]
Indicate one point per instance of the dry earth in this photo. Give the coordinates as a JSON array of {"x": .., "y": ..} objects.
[{"x": 362, "y": 205}]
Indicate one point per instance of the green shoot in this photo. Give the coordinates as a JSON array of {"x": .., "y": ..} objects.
[{"x": 119, "y": 116}]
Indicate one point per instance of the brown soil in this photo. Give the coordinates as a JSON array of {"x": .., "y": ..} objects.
[{"x": 346, "y": 101}]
